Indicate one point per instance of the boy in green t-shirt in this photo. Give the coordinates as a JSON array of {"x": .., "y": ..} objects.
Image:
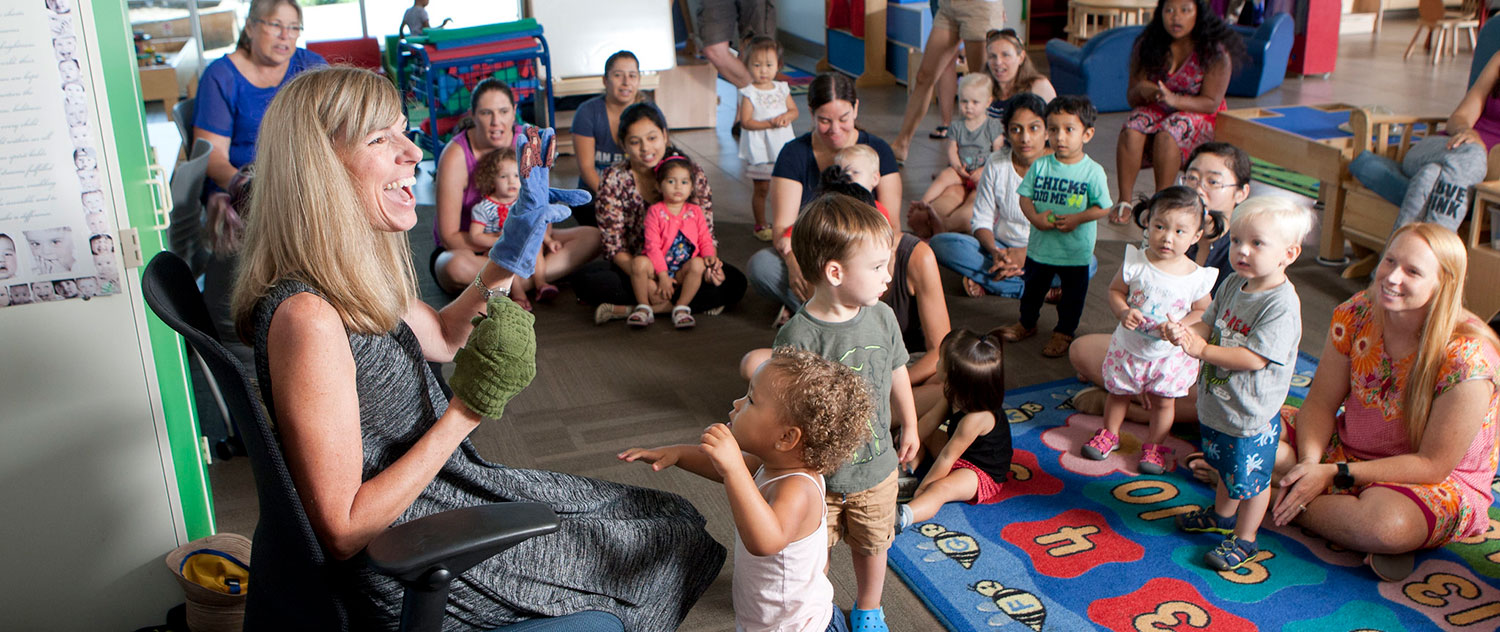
[
  {"x": 844, "y": 248},
  {"x": 1062, "y": 195}
]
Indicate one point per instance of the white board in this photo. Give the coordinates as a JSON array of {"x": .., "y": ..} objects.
[{"x": 582, "y": 34}]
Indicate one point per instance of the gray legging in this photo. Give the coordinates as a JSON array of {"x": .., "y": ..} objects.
[{"x": 1432, "y": 182}]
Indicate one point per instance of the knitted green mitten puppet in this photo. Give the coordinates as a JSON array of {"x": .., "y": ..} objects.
[{"x": 497, "y": 361}]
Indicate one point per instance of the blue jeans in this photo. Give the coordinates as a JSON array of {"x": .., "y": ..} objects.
[
  {"x": 767, "y": 273},
  {"x": 1381, "y": 175},
  {"x": 962, "y": 253},
  {"x": 839, "y": 623}
]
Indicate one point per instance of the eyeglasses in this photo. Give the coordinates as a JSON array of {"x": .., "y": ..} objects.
[
  {"x": 1192, "y": 181},
  {"x": 294, "y": 30}
]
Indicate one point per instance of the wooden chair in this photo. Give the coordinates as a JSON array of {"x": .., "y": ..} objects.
[
  {"x": 1443, "y": 25},
  {"x": 1368, "y": 219}
]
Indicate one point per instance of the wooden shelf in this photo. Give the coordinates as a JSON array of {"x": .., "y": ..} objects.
[{"x": 1484, "y": 260}]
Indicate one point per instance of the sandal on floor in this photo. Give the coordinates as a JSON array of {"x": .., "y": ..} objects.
[
  {"x": 762, "y": 232},
  {"x": 1154, "y": 458},
  {"x": 546, "y": 293},
  {"x": 1120, "y": 214},
  {"x": 973, "y": 288},
  {"x": 1053, "y": 297},
  {"x": 604, "y": 313},
  {"x": 1231, "y": 554},
  {"x": 867, "y": 620},
  {"x": 1016, "y": 331},
  {"x": 1391, "y": 568},
  {"x": 1198, "y": 466},
  {"x": 1205, "y": 521},
  {"x": 1057, "y": 347},
  {"x": 641, "y": 317},
  {"x": 941, "y": 133},
  {"x": 682, "y": 317},
  {"x": 1101, "y": 445}
]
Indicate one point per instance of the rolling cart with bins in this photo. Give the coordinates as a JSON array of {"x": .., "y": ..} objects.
[{"x": 440, "y": 69}]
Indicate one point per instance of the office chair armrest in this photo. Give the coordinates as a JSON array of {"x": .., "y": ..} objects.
[{"x": 456, "y": 540}]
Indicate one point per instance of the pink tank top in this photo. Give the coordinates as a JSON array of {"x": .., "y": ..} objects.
[
  {"x": 785, "y": 592},
  {"x": 1488, "y": 125},
  {"x": 471, "y": 190}
]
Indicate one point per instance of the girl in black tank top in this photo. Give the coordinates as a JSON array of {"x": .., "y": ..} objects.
[{"x": 973, "y": 456}]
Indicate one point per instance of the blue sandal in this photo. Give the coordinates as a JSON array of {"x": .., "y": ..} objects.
[
  {"x": 1231, "y": 554},
  {"x": 1205, "y": 521},
  {"x": 867, "y": 620}
]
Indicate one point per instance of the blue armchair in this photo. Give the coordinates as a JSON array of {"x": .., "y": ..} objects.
[
  {"x": 1099, "y": 70},
  {"x": 1269, "y": 47}
]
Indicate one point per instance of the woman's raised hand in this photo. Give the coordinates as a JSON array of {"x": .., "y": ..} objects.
[
  {"x": 498, "y": 360},
  {"x": 538, "y": 206}
]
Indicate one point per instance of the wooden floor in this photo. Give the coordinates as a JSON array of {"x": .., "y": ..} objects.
[{"x": 602, "y": 389}]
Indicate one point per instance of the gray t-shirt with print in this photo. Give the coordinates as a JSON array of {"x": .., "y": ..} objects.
[
  {"x": 975, "y": 145},
  {"x": 870, "y": 343},
  {"x": 1269, "y": 323}
]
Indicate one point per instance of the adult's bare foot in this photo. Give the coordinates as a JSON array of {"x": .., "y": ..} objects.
[
  {"x": 919, "y": 216},
  {"x": 899, "y": 150}
]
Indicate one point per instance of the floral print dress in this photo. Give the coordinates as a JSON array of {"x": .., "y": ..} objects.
[
  {"x": 1188, "y": 129},
  {"x": 1371, "y": 426}
]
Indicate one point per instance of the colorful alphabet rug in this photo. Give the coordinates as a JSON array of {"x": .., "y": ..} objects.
[{"x": 1090, "y": 545}]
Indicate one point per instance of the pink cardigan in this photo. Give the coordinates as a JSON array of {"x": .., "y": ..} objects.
[{"x": 662, "y": 229}]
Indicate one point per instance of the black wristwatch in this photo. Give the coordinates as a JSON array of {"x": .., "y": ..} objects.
[{"x": 1343, "y": 479}]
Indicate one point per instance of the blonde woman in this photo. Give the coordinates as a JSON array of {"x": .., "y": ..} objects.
[
  {"x": 327, "y": 294},
  {"x": 1408, "y": 463}
]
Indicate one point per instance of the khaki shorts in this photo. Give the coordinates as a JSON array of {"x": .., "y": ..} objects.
[
  {"x": 866, "y": 519},
  {"x": 971, "y": 19},
  {"x": 734, "y": 20}
]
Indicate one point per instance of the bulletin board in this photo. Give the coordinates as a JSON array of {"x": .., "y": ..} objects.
[{"x": 56, "y": 240}]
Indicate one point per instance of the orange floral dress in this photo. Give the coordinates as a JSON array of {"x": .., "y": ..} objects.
[{"x": 1370, "y": 426}]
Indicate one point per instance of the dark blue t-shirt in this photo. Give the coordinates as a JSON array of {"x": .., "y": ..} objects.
[
  {"x": 798, "y": 162},
  {"x": 229, "y": 105},
  {"x": 1218, "y": 257},
  {"x": 591, "y": 120}
]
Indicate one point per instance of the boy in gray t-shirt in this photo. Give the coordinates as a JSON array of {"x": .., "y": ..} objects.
[
  {"x": 843, "y": 247},
  {"x": 1247, "y": 342}
]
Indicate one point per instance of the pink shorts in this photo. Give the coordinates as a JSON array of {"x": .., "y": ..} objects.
[
  {"x": 989, "y": 488},
  {"x": 1169, "y": 376}
]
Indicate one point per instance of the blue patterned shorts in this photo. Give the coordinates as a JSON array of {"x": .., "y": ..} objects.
[{"x": 1244, "y": 463}]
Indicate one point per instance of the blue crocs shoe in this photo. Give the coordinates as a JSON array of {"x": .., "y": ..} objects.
[{"x": 867, "y": 620}]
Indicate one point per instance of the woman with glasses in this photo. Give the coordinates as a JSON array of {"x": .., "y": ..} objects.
[
  {"x": 236, "y": 88},
  {"x": 232, "y": 97}
]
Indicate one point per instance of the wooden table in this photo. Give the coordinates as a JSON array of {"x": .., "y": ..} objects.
[
  {"x": 1304, "y": 139},
  {"x": 1105, "y": 14}
]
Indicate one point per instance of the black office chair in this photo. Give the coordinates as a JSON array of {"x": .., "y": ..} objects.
[
  {"x": 291, "y": 573},
  {"x": 182, "y": 115}
]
